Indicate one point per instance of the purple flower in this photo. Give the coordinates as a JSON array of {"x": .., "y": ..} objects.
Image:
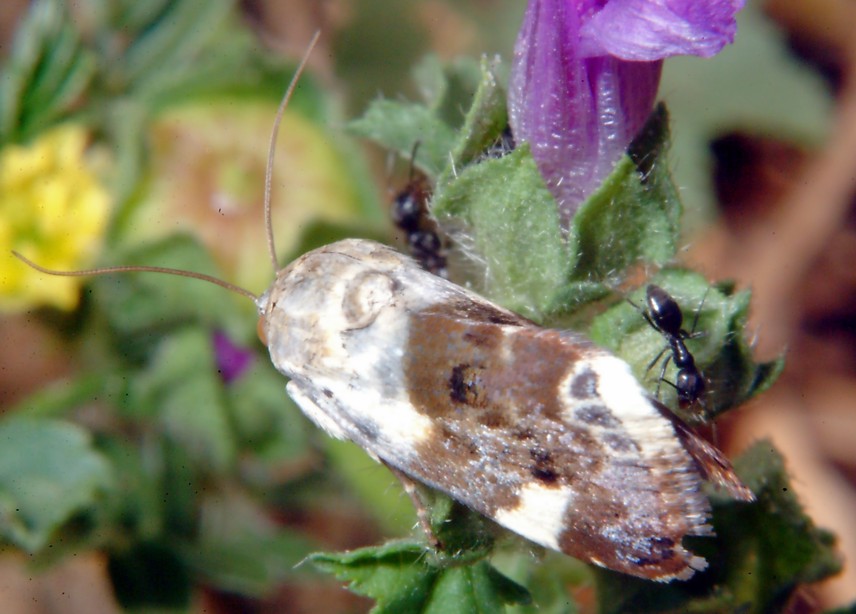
[
  {"x": 585, "y": 77},
  {"x": 231, "y": 360}
]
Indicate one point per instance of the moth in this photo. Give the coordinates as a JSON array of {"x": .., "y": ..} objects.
[{"x": 538, "y": 429}]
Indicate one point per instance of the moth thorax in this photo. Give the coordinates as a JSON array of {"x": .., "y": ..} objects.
[{"x": 366, "y": 296}]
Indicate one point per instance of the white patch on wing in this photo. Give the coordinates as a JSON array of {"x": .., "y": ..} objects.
[
  {"x": 348, "y": 414},
  {"x": 321, "y": 417},
  {"x": 539, "y": 515},
  {"x": 626, "y": 398},
  {"x": 618, "y": 389},
  {"x": 395, "y": 418}
]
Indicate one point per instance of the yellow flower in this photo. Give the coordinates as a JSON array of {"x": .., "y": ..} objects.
[{"x": 54, "y": 211}]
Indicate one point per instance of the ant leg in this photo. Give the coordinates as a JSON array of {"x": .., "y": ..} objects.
[
  {"x": 662, "y": 377},
  {"x": 657, "y": 359},
  {"x": 645, "y": 315},
  {"x": 693, "y": 334}
]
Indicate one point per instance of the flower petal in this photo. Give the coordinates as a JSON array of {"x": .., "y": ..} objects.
[
  {"x": 656, "y": 29},
  {"x": 578, "y": 115},
  {"x": 53, "y": 210},
  {"x": 231, "y": 359}
]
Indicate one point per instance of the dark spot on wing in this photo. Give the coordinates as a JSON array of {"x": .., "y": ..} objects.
[
  {"x": 542, "y": 467},
  {"x": 584, "y": 385},
  {"x": 466, "y": 386},
  {"x": 369, "y": 430},
  {"x": 493, "y": 419},
  {"x": 597, "y": 415},
  {"x": 479, "y": 340},
  {"x": 523, "y": 434},
  {"x": 661, "y": 548},
  {"x": 620, "y": 443}
]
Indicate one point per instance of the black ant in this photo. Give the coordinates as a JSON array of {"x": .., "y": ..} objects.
[
  {"x": 664, "y": 314},
  {"x": 410, "y": 214}
]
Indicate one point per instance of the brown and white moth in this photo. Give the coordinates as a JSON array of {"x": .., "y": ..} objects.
[{"x": 538, "y": 429}]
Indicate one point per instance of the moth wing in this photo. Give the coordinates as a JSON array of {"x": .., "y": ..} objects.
[
  {"x": 318, "y": 408},
  {"x": 351, "y": 413},
  {"x": 712, "y": 463},
  {"x": 553, "y": 438}
]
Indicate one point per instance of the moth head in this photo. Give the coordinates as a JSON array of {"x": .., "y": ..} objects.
[{"x": 328, "y": 295}]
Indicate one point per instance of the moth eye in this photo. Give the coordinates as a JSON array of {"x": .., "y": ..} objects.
[
  {"x": 366, "y": 295},
  {"x": 261, "y": 330}
]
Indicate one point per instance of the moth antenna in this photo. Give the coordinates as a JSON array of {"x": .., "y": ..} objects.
[
  {"x": 138, "y": 269},
  {"x": 269, "y": 170}
]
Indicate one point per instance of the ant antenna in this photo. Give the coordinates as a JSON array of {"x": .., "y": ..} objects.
[
  {"x": 138, "y": 269},
  {"x": 413, "y": 153},
  {"x": 269, "y": 169}
]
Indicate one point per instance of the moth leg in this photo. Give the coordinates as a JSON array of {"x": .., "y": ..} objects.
[{"x": 423, "y": 515}]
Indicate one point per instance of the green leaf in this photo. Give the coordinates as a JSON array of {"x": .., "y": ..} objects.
[
  {"x": 150, "y": 575},
  {"x": 182, "y": 390},
  {"x": 715, "y": 318},
  {"x": 135, "y": 505},
  {"x": 510, "y": 221},
  {"x": 55, "y": 400},
  {"x": 49, "y": 471},
  {"x": 733, "y": 374},
  {"x": 474, "y": 589},
  {"x": 269, "y": 424},
  {"x": 773, "y": 545},
  {"x": 396, "y": 574},
  {"x": 240, "y": 548},
  {"x": 182, "y": 480},
  {"x": 169, "y": 51},
  {"x": 448, "y": 88},
  {"x": 569, "y": 299},
  {"x": 548, "y": 579},
  {"x": 165, "y": 41},
  {"x": 634, "y": 215},
  {"x": 468, "y": 534},
  {"x": 261, "y": 407},
  {"x": 46, "y": 73},
  {"x": 403, "y": 577},
  {"x": 485, "y": 121},
  {"x": 397, "y": 126},
  {"x": 429, "y": 75}
]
